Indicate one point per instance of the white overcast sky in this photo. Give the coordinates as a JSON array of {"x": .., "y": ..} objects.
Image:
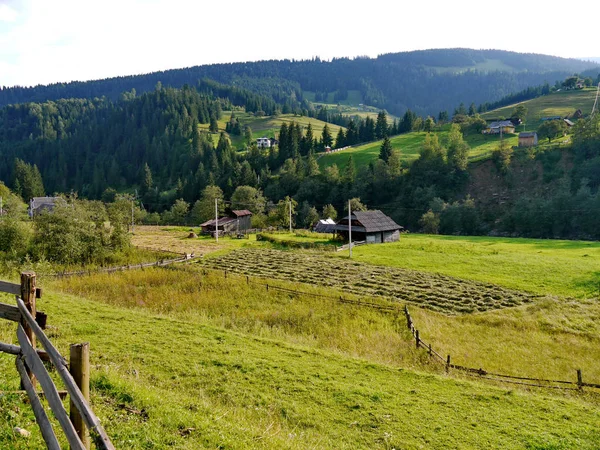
[{"x": 45, "y": 41}]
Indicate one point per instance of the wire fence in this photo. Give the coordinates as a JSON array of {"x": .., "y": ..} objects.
[{"x": 577, "y": 385}]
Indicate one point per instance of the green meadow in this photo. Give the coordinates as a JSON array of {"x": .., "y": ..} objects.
[
  {"x": 409, "y": 145},
  {"x": 560, "y": 103},
  {"x": 540, "y": 266},
  {"x": 183, "y": 359}
]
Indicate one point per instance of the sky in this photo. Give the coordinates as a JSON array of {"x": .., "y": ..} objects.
[{"x": 46, "y": 41}]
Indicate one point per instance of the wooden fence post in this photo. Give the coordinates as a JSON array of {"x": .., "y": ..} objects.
[
  {"x": 448, "y": 364},
  {"x": 79, "y": 367},
  {"x": 579, "y": 379},
  {"x": 28, "y": 297},
  {"x": 417, "y": 339}
]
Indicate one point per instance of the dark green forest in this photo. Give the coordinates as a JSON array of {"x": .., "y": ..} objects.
[
  {"x": 151, "y": 145},
  {"x": 425, "y": 82}
]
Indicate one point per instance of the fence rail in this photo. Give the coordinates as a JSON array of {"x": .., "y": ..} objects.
[
  {"x": 159, "y": 263},
  {"x": 347, "y": 246},
  {"x": 502, "y": 378},
  {"x": 32, "y": 371}
]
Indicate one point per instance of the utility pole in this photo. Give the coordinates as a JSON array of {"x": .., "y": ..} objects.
[
  {"x": 350, "y": 228},
  {"x": 217, "y": 219},
  {"x": 290, "y": 217},
  {"x": 132, "y": 219}
]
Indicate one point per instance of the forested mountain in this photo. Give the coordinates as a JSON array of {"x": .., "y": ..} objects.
[{"x": 426, "y": 82}]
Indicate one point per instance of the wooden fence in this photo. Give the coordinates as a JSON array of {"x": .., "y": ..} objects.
[
  {"x": 160, "y": 263},
  {"x": 481, "y": 373},
  {"x": 32, "y": 371}
]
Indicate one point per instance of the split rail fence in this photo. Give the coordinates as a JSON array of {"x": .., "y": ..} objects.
[
  {"x": 30, "y": 366},
  {"x": 481, "y": 373}
]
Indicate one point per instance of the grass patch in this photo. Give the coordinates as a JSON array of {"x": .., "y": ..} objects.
[
  {"x": 540, "y": 266},
  {"x": 555, "y": 104}
]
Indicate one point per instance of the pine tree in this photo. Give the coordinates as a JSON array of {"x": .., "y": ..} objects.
[
  {"x": 340, "y": 140},
  {"x": 326, "y": 138},
  {"x": 386, "y": 150},
  {"x": 381, "y": 126}
]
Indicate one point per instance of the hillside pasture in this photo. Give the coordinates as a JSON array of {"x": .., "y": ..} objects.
[
  {"x": 409, "y": 146},
  {"x": 268, "y": 126},
  {"x": 560, "y": 103}
]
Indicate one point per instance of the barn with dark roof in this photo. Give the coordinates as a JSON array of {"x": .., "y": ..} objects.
[{"x": 373, "y": 227}]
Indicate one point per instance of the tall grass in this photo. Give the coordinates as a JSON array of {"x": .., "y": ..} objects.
[{"x": 548, "y": 339}]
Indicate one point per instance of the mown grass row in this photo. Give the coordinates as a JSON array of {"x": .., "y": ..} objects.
[{"x": 436, "y": 292}]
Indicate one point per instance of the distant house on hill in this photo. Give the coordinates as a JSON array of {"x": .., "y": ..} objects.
[
  {"x": 373, "y": 227},
  {"x": 39, "y": 204},
  {"x": 238, "y": 221},
  {"x": 568, "y": 122},
  {"x": 504, "y": 126},
  {"x": 528, "y": 139},
  {"x": 263, "y": 142}
]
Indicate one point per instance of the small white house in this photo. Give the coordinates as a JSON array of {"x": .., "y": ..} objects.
[{"x": 263, "y": 142}]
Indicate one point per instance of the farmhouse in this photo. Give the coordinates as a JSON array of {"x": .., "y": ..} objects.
[
  {"x": 373, "y": 227},
  {"x": 528, "y": 139},
  {"x": 238, "y": 221},
  {"x": 325, "y": 226},
  {"x": 504, "y": 126},
  {"x": 39, "y": 204},
  {"x": 263, "y": 142}
]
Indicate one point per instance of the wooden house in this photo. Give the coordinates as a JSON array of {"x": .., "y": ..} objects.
[
  {"x": 373, "y": 227},
  {"x": 243, "y": 218},
  {"x": 528, "y": 139},
  {"x": 263, "y": 142},
  {"x": 502, "y": 126},
  {"x": 237, "y": 222},
  {"x": 39, "y": 204}
]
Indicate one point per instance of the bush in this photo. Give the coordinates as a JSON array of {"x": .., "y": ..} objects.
[{"x": 15, "y": 236}]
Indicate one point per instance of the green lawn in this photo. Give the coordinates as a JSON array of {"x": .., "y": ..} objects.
[
  {"x": 566, "y": 268},
  {"x": 162, "y": 382},
  {"x": 556, "y": 104},
  {"x": 409, "y": 145},
  {"x": 268, "y": 126}
]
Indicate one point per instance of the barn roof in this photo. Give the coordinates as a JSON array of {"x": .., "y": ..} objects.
[
  {"x": 501, "y": 123},
  {"x": 370, "y": 222},
  {"x": 527, "y": 134},
  {"x": 241, "y": 212},
  {"x": 222, "y": 221},
  {"x": 375, "y": 221}
]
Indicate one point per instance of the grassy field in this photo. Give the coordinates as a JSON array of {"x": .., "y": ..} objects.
[
  {"x": 555, "y": 104},
  {"x": 409, "y": 145},
  {"x": 432, "y": 291},
  {"x": 269, "y": 126},
  {"x": 278, "y": 369},
  {"x": 283, "y": 371},
  {"x": 540, "y": 266}
]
